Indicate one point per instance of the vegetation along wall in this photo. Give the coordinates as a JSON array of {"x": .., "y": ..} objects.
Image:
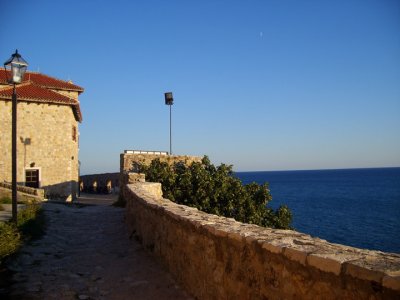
[{"x": 219, "y": 258}]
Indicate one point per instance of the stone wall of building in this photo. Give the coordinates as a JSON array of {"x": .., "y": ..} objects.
[
  {"x": 219, "y": 258},
  {"x": 44, "y": 142}
]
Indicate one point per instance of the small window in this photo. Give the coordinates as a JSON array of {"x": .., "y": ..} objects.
[
  {"x": 74, "y": 133},
  {"x": 32, "y": 178}
]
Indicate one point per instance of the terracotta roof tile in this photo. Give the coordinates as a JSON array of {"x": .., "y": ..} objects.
[
  {"x": 44, "y": 80},
  {"x": 31, "y": 92}
]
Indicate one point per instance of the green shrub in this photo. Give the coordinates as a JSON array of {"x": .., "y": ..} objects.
[
  {"x": 30, "y": 221},
  {"x": 10, "y": 239},
  {"x": 5, "y": 200},
  {"x": 30, "y": 225},
  {"x": 215, "y": 190}
]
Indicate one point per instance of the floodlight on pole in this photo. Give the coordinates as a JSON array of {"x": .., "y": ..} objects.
[{"x": 169, "y": 100}]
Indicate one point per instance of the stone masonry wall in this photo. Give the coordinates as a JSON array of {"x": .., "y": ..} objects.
[
  {"x": 219, "y": 258},
  {"x": 105, "y": 182},
  {"x": 127, "y": 160},
  {"x": 24, "y": 189},
  {"x": 51, "y": 149},
  {"x": 23, "y": 197}
]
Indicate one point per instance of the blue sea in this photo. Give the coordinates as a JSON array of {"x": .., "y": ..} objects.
[{"x": 356, "y": 207}]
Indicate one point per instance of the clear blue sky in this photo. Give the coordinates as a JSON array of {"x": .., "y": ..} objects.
[{"x": 262, "y": 85}]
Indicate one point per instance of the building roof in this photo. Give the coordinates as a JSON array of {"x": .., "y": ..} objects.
[
  {"x": 44, "y": 81},
  {"x": 30, "y": 92}
]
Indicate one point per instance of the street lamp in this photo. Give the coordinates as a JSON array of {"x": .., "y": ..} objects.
[
  {"x": 169, "y": 100},
  {"x": 15, "y": 68}
]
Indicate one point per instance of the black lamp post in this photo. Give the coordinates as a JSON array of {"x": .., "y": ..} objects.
[
  {"x": 15, "y": 68},
  {"x": 169, "y": 100}
]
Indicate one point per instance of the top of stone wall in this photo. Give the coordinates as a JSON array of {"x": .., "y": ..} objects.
[
  {"x": 112, "y": 174},
  {"x": 341, "y": 260},
  {"x": 145, "y": 152}
]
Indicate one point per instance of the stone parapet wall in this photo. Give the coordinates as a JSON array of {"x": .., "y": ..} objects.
[
  {"x": 104, "y": 182},
  {"x": 24, "y": 189},
  {"x": 219, "y": 258},
  {"x": 21, "y": 196},
  {"x": 128, "y": 160}
]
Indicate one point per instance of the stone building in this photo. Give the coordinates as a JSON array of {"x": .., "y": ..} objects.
[{"x": 48, "y": 114}]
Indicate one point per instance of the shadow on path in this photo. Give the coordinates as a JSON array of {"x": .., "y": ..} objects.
[{"x": 97, "y": 199}]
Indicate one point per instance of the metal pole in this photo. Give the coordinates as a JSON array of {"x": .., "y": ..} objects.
[
  {"x": 14, "y": 156},
  {"x": 170, "y": 129}
]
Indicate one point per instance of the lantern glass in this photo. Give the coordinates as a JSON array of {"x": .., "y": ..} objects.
[{"x": 16, "y": 66}]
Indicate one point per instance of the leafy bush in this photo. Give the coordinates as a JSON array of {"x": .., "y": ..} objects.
[
  {"x": 215, "y": 190},
  {"x": 30, "y": 221},
  {"x": 10, "y": 239},
  {"x": 5, "y": 200},
  {"x": 30, "y": 225}
]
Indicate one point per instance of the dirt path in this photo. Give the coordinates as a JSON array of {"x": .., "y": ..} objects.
[{"x": 87, "y": 254}]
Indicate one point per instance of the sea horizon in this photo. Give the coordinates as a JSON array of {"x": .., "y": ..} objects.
[{"x": 324, "y": 169}]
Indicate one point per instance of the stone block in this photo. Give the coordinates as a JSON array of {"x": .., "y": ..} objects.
[
  {"x": 216, "y": 231},
  {"x": 325, "y": 263},
  {"x": 391, "y": 282},
  {"x": 235, "y": 236},
  {"x": 277, "y": 249},
  {"x": 297, "y": 255},
  {"x": 358, "y": 269},
  {"x": 136, "y": 177}
]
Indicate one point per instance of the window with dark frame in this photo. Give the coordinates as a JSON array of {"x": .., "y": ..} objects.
[{"x": 32, "y": 178}]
